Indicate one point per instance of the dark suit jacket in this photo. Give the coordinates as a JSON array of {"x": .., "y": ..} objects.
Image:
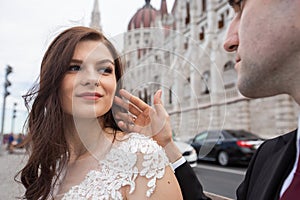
[
  {"x": 190, "y": 186},
  {"x": 269, "y": 168}
]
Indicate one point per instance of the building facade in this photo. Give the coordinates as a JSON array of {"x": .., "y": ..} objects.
[{"x": 181, "y": 52}]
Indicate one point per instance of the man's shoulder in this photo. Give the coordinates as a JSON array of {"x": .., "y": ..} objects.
[
  {"x": 280, "y": 142},
  {"x": 287, "y": 137}
]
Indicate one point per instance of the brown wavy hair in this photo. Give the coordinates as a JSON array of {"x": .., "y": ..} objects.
[{"x": 47, "y": 146}]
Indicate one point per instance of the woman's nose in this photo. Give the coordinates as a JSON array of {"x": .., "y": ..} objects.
[{"x": 90, "y": 78}]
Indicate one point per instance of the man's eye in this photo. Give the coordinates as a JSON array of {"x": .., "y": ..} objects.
[
  {"x": 236, "y": 5},
  {"x": 74, "y": 68},
  {"x": 235, "y": 2}
]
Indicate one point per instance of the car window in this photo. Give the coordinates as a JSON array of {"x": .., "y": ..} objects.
[
  {"x": 210, "y": 136},
  {"x": 214, "y": 136},
  {"x": 228, "y": 135},
  {"x": 240, "y": 134},
  {"x": 201, "y": 137}
]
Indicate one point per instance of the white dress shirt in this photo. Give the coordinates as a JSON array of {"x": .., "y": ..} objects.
[
  {"x": 178, "y": 163},
  {"x": 289, "y": 179}
]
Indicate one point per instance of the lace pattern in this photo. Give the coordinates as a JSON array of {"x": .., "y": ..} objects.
[{"x": 119, "y": 168}]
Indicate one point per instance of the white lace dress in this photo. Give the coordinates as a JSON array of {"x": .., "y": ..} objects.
[{"x": 119, "y": 168}]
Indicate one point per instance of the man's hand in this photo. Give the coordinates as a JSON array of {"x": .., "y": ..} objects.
[{"x": 142, "y": 118}]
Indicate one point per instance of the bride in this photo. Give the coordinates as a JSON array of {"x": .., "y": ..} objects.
[{"x": 76, "y": 149}]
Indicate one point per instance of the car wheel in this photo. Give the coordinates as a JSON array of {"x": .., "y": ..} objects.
[{"x": 223, "y": 158}]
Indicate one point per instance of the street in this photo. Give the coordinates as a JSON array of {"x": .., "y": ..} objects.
[
  {"x": 220, "y": 180},
  {"x": 10, "y": 164}
]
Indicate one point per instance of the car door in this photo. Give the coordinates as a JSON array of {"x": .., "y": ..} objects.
[
  {"x": 205, "y": 144},
  {"x": 198, "y": 141},
  {"x": 214, "y": 142},
  {"x": 211, "y": 144}
]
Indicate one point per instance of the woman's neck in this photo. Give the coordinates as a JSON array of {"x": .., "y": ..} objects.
[{"x": 86, "y": 138}]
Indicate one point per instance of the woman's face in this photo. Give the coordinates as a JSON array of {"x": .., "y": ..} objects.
[{"x": 89, "y": 85}]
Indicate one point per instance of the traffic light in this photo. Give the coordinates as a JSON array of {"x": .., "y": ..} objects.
[
  {"x": 7, "y": 82},
  {"x": 14, "y": 111}
]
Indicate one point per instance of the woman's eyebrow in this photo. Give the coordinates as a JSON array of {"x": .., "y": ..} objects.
[
  {"x": 105, "y": 61},
  {"x": 76, "y": 61}
]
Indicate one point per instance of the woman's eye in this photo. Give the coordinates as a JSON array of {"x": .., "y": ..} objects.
[
  {"x": 74, "y": 68},
  {"x": 105, "y": 70}
]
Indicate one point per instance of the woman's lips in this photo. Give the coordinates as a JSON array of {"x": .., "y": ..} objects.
[{"x": 90, "y": 95}]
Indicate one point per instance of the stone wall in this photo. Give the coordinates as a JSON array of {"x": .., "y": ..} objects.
[{"x": 266, "y": 117}]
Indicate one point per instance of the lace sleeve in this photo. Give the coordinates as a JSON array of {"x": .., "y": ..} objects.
[{"x": 151, "y": 159}]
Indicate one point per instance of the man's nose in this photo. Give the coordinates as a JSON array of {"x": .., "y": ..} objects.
[{"x": 231, "y": 42}]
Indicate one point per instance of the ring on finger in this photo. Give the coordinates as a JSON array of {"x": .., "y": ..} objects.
[{"x": 133, "y": 119}]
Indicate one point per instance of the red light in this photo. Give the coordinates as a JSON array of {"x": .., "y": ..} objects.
[{"x": 246, "y": 144}]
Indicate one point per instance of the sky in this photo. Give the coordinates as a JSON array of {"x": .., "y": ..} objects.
[{"x": 28, "y": 26}]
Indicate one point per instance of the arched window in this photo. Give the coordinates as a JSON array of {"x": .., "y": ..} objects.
[
  {"x": 145, "y": 96},
  {"x": 206, "y": 82},
  {"x": 187, "y": 19},
  {"x": 187, "y": 88},
  {"x": 203, "y": 5},
  {"x": 221, "y": 21},
  {"x": 229, "y": 66},
  {"x": 186, "y": 44},
  {"x": 170, "y": 95},
  {"x": 229, "y": 75},
  {"x": 201, "y": 34}
]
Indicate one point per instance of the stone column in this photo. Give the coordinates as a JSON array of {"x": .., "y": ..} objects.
[
  {"x": 194, "y": 52},
  {"x": 285, "y": 115},
  {"x": 243, "y": 115}
]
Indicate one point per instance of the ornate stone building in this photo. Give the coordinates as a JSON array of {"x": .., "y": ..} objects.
[{"x": 181, "y": 52}]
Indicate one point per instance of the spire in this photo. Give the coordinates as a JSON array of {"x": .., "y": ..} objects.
[
  {"x": 163, "y": 8},
  {"x": 147, "y": 5},
  {"x": 95, "y": 18}
]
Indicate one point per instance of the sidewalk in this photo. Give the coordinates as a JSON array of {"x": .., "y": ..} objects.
[{"x": 10, "y": 164}]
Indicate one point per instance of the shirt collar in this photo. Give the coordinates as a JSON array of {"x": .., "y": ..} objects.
[{"x": 298, "y": 131}]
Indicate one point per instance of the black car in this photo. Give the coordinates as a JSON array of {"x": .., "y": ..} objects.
[{"x": 226, "y": 146}]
